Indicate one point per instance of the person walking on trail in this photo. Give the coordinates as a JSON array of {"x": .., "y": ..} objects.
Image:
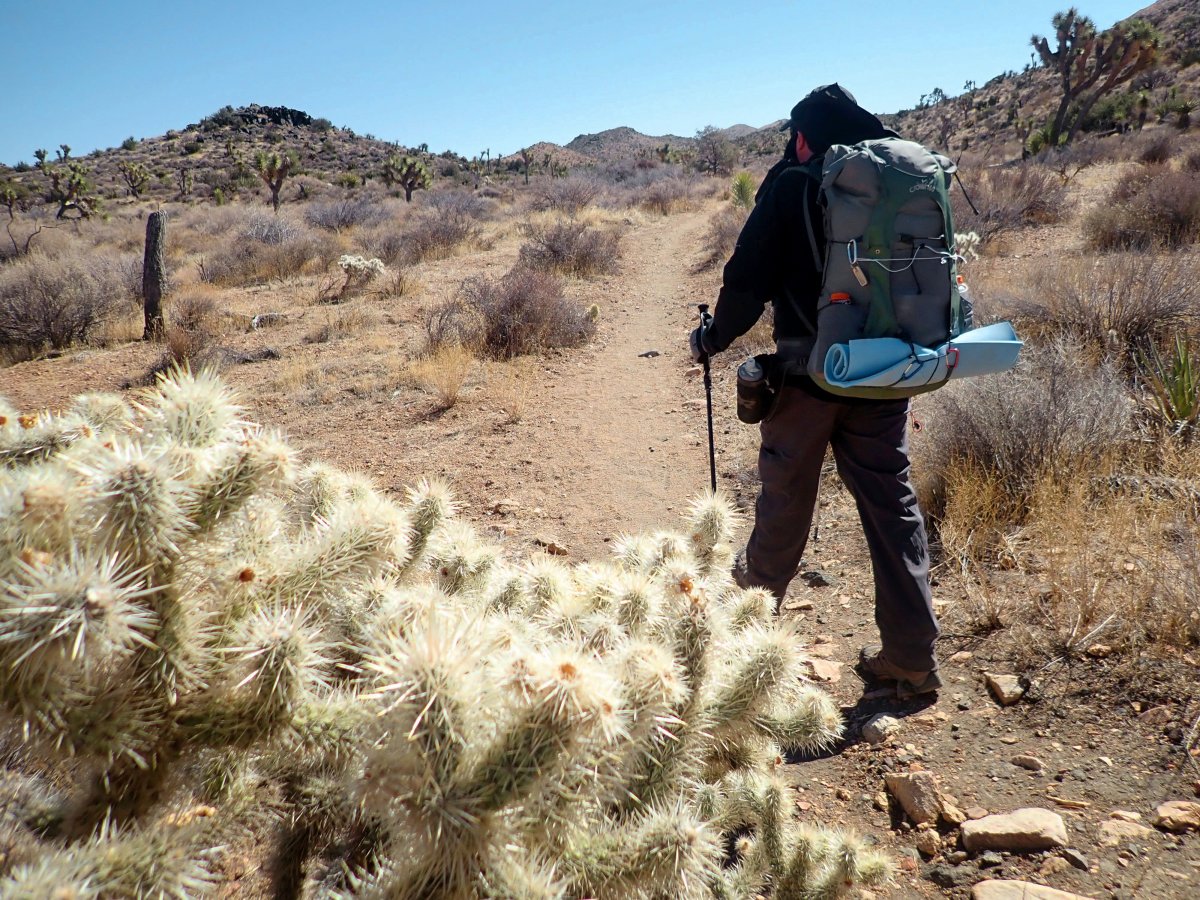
[{"x": 772, "y": 263}]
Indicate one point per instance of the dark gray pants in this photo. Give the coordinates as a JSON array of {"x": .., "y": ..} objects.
[{"x": 870, "y": 445}]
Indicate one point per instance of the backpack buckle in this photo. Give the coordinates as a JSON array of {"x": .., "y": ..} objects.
[{"x": 951, "y": 357}]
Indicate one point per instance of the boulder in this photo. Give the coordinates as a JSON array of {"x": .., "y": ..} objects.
[{"x": 1024, "y": 830}]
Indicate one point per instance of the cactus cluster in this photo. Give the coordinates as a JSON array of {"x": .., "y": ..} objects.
[{"x": 202, "y": 638}]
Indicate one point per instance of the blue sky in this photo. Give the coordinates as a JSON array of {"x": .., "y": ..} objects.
[{"x": 469, "y": 76}]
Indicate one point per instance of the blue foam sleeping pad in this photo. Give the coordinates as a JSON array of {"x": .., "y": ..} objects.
[{"x": 891, "y": 362}]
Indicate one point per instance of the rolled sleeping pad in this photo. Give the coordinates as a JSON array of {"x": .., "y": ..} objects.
[{"x": 891, "y": 362}]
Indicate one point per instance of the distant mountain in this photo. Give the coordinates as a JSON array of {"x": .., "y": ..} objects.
[{"x": 622, "y": 143}]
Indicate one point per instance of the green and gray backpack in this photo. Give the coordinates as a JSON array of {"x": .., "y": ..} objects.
[{"x": 889, "y": 264}]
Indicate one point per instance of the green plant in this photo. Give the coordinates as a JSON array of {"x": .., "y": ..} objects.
[
  {"x": 742, "y": 190},
  {"x": 715, "y": 153},
  {"x": 1090, "y": 64},
  {"x": 70, "y": 186},
  {"x": 130, "y": 143},
  {"x": 273, "y": 169},
  {"x": 1174, "y": 385},
  {"x": 135, "y": 175},
  {"x": 408, "y": 172}
]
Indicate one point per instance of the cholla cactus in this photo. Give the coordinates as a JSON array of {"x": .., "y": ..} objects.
[{"x": 189, "y": 618}]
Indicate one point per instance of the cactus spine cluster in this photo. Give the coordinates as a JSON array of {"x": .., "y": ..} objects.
[{"x": 196, "y": 629}]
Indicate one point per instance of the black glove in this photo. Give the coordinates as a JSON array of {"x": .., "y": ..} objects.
[{"x": 700, "y": 343}]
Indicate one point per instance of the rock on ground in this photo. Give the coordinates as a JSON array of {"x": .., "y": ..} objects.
[
  {"x": 880, "y": 727},
  {"x": 1003, "y": 889},
  {"x": 1178, "y": 816},
  {"x": 1023, "y": 830},
  {"x": 918, "y": 793},
  {"x": 1005, "y": 688},
  {"x": 1116, "y": 831}
]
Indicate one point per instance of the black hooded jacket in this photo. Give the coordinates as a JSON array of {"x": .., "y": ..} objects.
[{"x": 773, "y": 261}]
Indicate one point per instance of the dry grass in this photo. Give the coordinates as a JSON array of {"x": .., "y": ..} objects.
[
  {"x": 442, "y": 373},
  {"x": 297, "y": 373},
  {"x": 511, "y": 385},
  {"x": 1008, "y": 197},
  {"x": 342, "y": 322}
]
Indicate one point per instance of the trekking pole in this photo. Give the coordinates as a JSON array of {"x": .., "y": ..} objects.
[{"x": 705, "y": 318}]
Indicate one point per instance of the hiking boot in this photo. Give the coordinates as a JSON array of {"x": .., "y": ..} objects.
[
  {"x": 909, "y": 682},
  {"x": 741, "y": 577}
]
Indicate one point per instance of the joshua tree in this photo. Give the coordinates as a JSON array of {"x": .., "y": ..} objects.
[
  {"x": 70, "y": 188},
  {"x": 408, "y": 172},
  {"x": 1090, "y": 64},
  {"x": 135, "y": 175},
  {"x": 274, "y": 169}
]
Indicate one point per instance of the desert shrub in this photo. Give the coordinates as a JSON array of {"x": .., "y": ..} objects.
[
  {"x": 1158, "y": 148},
  {"x": 1156, "y": 210},
  {"x": 194, "y": 326},
  {"x": 443, "y": 373},
  {"x": 461, "y": 204},
  {"x": 523, "y": 312},
  {"x": 1191, "y": 162},
  {"x": 435, "y": 234},
  {"x": 721, "y": 236},
  {"x": 742, "y": 190},
  {"x": 991, "y": 441},
  {"x": 666, "y": 195},
  {"x": 1008, "y": 197},
  {"x": 348, "y": 212},
  {"x": 565, "y": 195},
  {"x": 571, "y": 248},
  {"x": 1112, "y": 305},
  {"x": 268, "y": 248},
  {"x": 57, "y": 302}
]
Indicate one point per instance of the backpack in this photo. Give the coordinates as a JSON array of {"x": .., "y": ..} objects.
[{"x": 889, "y": 266}]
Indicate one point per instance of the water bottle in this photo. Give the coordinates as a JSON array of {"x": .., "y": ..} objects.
[{"x": 754, "y": 394}]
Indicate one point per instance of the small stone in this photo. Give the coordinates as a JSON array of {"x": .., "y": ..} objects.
[
  {"x": 961, "y": 656},
  {"x": 817, "y": 578},
  {"x": 881, "y": 801},
  {"x": 550, "y": 545},
  {"x": 1055, "y": 865},
  {"x": 694, "y": 371},
  {"x": 880, "y": 727},
  {"x": 1075, "y": 858},
  {"x": 952, "y": 876},
  {"x": 917, "y": 793},
  {"x": 952, "y": 815},
  {"x": 1099, "y": 651},
  {"x": 1158, "y": 715},
  {"x": 1124, "y": 815},
  {"x": 1115, "y": 832},
  {"x": 649, "y": 354},
  {"x": 1032, "y": 763},
  {"x": 957, "y": 856},
  {"x": 1010, "y": 739},
  {"x": 796, "y": 603},
  {"x": 928, "y": 843},
  {"x": 843, "y": 794},
  {"x": 1023, "y": 830},
  {"x": 827, "y": 670},
  {"x": 1005, "y": 889},
  {"x": 976, "y": 812},
  {"x": 1178, "y": 816},
  {"x": 990, "y": 860},
  {"x": 1005, "y": 688}
]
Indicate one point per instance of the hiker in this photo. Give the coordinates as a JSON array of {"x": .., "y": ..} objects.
[{"x": 772, "y": 263}]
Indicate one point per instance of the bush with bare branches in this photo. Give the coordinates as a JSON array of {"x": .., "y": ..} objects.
[
  {"x": 569, "y": 247},
  {"x": 523, "y": 312}
]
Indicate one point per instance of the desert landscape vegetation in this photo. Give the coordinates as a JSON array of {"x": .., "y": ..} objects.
[{"x": 379, "y": 560}]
